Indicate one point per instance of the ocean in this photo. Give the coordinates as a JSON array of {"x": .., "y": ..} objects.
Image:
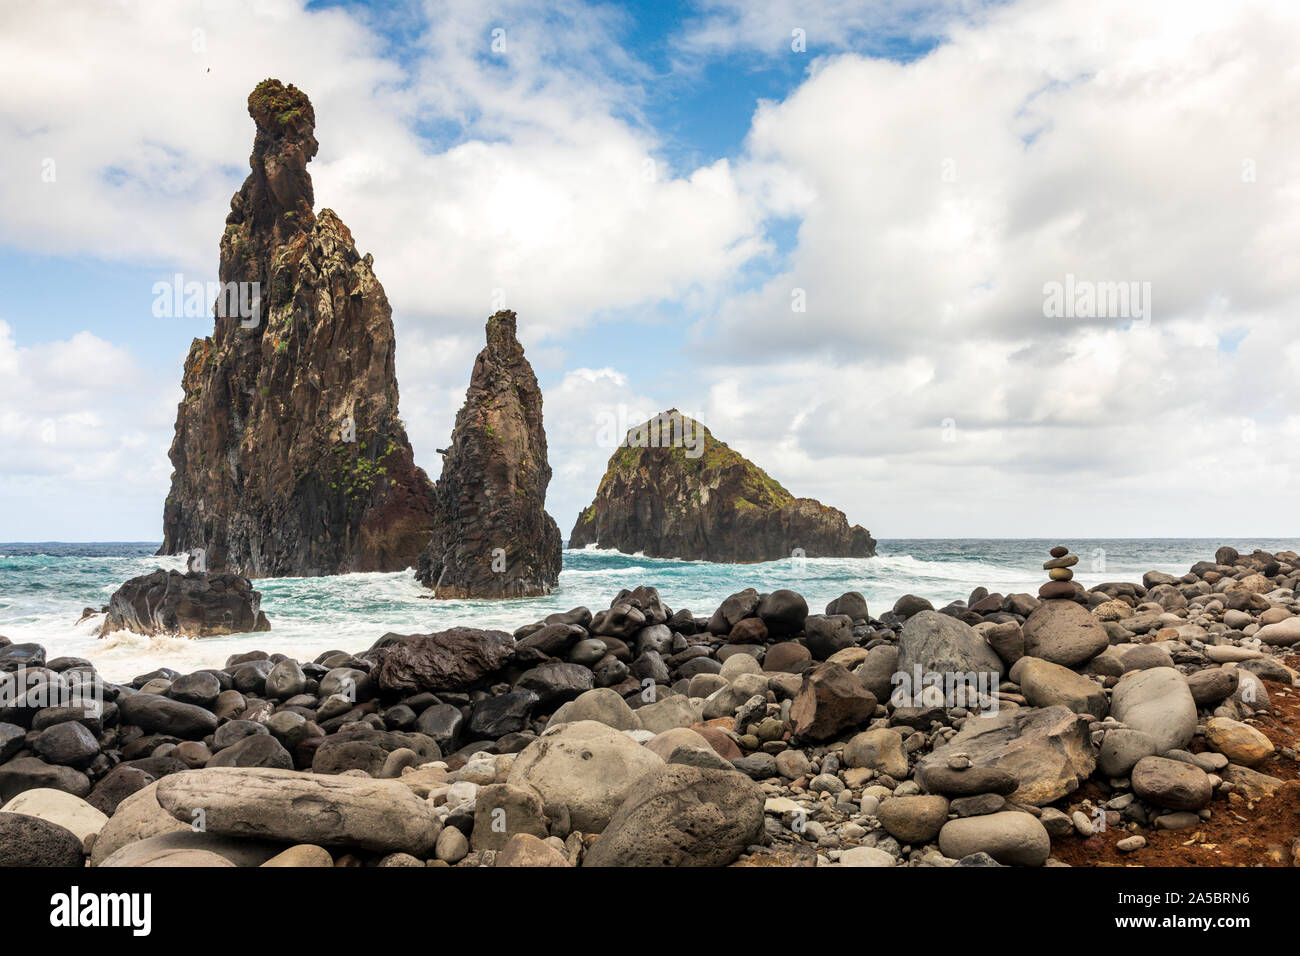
[{"x": 45, "y": 586}]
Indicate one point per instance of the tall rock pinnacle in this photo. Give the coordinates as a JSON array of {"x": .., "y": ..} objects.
[
  {"x": 289, "y": 456},
  {"x": 492, "y": 537}
]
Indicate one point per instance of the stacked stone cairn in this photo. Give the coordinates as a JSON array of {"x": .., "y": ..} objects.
[{"x": 1062, "y": 584}]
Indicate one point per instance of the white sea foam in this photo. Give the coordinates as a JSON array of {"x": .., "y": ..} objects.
[{"x": 42, "y": 595}]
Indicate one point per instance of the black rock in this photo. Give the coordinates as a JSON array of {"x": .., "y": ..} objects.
[
  {"x": 30, "y": 773},
  {"x": 555, "y": 683},
  {"x": 68, "y": 744},
  {"x": 825, "y": 634},
  {"x": 11, "y": 740},
  {"x": 200, "y": 689},
  {"x": 15, "y": 657},
  {"x": 757, "y": 766},
  {"x": 399, "y": 717},
  {"x": 32, "y": 841},
  {"x": 250, "y": 678},
  {"x": 118, "y": 784},
  {"x": 851, "y": 603},
  {"x": 158, "y": 714},
  {"x": 495, "y": 717},
  {"x": 552, "y": 640},
  {"x": 783, "y": 611},
  {"x": 256, "y": 750},
  {"x": 441, "y": 722},
  {"x": 235, "y": 731}
]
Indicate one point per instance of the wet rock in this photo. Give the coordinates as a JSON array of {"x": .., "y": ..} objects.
[
  {"x": 196, "y": 604},
  {"x": 447, "y": 660},
  {"x": 157, "y": 714}
]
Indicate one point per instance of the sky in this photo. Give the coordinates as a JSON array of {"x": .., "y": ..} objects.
[{"x": 960, "y": 269}]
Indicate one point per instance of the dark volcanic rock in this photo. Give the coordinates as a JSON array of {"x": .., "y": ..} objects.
[
  {"x": 196, "y": 604},
  {"x": 672, "y": 490},
  {"x": 32, "y": 841},
  {"x": 447, "y": 660},
  {"x": 494, "y": 717},
  {"x": 69, "y": 744},
  {"x": 156, "y": 714},
  {"x": 492, "y": 537},
  {"x": 289, "y": 456},
  {"x": 29, "y": 773}
]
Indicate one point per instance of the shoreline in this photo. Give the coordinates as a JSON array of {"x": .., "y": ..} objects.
[
  {"x": 785, "y": 717},
  {"x": 307, "y": 614}
]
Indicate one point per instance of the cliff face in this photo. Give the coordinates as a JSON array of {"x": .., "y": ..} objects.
[
  {"x": 289, "y": 456},
  {"x": 492, "y": 537},
  {"x": 672, "y": 490}
]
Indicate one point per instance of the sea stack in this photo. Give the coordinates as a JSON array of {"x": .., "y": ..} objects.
[
  {"x": 673, "y": 490},
  {"x": 289, "y": 457},
  {"x": 492, "y": 537}
]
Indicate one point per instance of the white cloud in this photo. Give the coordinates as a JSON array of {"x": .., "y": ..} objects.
[
  {"x": 81, "y": 418},
  {"x": 933, "y": 200}
]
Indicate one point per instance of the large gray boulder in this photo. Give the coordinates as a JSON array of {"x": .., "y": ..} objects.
[
  {"x": 138, "y": 817},
  {"x": 682, "y": 816},
  {"x": 1045, "y": 684},
  {"x": 1009, "y": 836},
  {"x": 586, "y": 766},
  {"x": 940, "y": 644},
  {"x": 291, "y": 807},
  {"x": 1064, "y": 633},
  {"x": 1159, "y": 703},
  {"x": 1048, "y": 750}
]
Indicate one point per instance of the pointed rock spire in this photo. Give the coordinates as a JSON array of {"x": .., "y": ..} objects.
[
  {"x": 289, "y": 456},
  {"x": 492, "y": 537}
]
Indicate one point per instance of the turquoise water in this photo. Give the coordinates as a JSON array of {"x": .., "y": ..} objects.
[{"x": 45, "y": 586}]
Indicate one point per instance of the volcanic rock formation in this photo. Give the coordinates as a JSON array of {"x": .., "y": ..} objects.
[
  {"x": 289, "y": 456},
  {"x": 195, "y": 604},
  {"x": 492, "y": 537},
  {"x": 672, "y": 490}
]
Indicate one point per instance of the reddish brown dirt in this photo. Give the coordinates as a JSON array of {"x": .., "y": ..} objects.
[{"x": 1266, "y": 833}]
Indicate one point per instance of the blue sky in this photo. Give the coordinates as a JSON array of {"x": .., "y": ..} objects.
[{"x": 915, "y": 174}]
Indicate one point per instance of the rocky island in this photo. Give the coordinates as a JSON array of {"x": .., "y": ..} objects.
[
  {"x": 1147, "y": 724},
  {"x": 693, "y": 497},
  {"x": 492, "y": 537},
  {"x": 289, "y": 455}
]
